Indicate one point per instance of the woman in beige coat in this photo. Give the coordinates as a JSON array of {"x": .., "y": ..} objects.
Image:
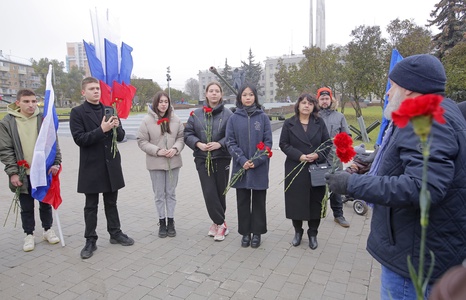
[{"x": 160, "y": 136}]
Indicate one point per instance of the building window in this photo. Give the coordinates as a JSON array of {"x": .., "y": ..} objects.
[{"x": 271, "y": 84}]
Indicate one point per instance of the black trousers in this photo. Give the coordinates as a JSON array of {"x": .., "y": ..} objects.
[
  {"x": 27, "y": 213},
  {"x": 251, "y": 211},
  {"x": 213, "y": 186},
  {"x": 111, "y": 213},
  {"x": 336, "y": 204}
]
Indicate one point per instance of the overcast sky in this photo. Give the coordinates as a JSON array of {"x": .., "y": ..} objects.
[{"x": 192, "y": 35}]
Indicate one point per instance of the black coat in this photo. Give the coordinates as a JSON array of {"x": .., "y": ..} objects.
[
  {"x": 302, "y": 202},
  {"x": 99, "y": 171}
]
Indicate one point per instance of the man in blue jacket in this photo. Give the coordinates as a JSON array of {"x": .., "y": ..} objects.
[{"x": 395, "y": 183}]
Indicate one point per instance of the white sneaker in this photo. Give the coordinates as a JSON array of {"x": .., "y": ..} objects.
[
  {"x": 222, "y": 231},
  {"x": 213, "y": 230},
  {"x": 28, "y": 243},
  {"x": 50, "y": 237}
]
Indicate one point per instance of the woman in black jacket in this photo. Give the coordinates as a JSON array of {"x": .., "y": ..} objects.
[
  {"x": 205, "y": 134},
  {"x": 301, "y": 135}
]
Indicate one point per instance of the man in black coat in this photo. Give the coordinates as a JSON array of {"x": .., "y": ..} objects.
[{"x": 99, "y": 167}]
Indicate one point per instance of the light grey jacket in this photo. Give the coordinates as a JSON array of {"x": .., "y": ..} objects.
[{"x": 151, "y": 140}]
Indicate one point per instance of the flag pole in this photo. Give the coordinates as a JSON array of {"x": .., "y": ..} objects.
[{"x": 60, "y": 232}]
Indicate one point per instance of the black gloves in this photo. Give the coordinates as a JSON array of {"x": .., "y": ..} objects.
[{"x": 338, "y": 182}]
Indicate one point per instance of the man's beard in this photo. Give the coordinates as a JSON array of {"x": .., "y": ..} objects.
[{"x": 393, "y": 104}]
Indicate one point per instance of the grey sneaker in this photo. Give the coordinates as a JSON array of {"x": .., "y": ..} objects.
[{"x": 342, "y": 222}]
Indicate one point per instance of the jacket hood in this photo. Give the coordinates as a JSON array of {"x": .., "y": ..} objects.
[{"x": 14, "y": 110}]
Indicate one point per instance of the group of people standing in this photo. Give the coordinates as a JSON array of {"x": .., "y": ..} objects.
[
  {"x": 217, "y": 136},
  {"x": 220, "y": 138}
]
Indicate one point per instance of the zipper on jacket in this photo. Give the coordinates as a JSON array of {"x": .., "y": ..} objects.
[{"x": 249, "y": 135}]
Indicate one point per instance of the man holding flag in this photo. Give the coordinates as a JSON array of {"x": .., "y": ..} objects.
[{"x": 19, "y": 131}]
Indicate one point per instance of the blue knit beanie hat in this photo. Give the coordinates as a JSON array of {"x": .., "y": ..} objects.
[{"x": 422, "y": 73}]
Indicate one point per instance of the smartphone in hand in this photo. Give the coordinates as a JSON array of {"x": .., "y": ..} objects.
[{"x": 108, "y": 113}]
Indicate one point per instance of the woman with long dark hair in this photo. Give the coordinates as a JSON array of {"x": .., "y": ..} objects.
[
  {"x": 249, "y": 126},
  {"x": 160, "y": 136}
]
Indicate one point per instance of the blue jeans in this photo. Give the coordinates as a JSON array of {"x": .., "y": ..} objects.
[{"x": 397, "y": 287}]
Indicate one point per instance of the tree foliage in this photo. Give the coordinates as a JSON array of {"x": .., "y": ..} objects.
[
  {"x": 284, "y": 83},
  {"x": 227, "y": 75},
  {"x": 364, "y": 64},
  {"x": 455, "y": 66},
  {"x": 145, "y": 91},
  {"x": 192, "y": 88},
  {"x": 450, "y": 17},
  {"x": 177, "y": 95},
  {"x": 253, "y": 72},
  {"x": 408, "y": 38}
]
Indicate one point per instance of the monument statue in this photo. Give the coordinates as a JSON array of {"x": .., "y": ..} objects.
[{"x": 238, "y": 78}]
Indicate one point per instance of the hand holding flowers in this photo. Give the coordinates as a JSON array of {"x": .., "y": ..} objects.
[
  {"x": 209, "y": 145},
  {"x": 23, "y": 166},
  {"x": 261, "y": 150}
]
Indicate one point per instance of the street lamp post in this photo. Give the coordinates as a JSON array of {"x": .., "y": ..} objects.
[{"x": 168, "y": 81}]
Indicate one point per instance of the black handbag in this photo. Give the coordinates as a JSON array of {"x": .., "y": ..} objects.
[{"x": 317, "y": 172}]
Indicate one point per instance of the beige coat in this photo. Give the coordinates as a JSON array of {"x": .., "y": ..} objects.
[{"x": 151, "y": 140}]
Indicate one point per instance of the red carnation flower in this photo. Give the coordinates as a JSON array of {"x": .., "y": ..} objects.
[
  {"x": 425, "y": 105},
  {"x": 345, "y": 154},
  {"x": 207, "y": 109},
  {"x": 191, "y": 113},
  {"x": 23, "y": 163},
  {"x": 261, "y": 146},
  {"x": 344, "y": 147},
  {"x": 342, "y": 140},
  {"x": 163, "y": 120},
  {"x": 269, "y": 151}
]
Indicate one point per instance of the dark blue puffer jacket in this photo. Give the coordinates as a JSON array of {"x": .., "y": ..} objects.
[{"x": 395, "y": 228}]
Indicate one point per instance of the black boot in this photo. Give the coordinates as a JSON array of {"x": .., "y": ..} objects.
[
  {"x": 256, "y": 241},
  {"x": 246, "y": 240},
  {"x": 162, "y": 228},
  {"x": 312, "y": 240},
  {"x": 171, "y": 227},
  {"x": 298, "y": 236}
]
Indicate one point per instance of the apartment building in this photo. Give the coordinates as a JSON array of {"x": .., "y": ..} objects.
[
  {"x": 76, "y": 57},
  {"x": 271, "y": 67},
  {"x": 16, "y": 73}
]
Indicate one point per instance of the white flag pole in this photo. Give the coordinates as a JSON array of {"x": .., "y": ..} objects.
[{"x": 60, "y": 233}]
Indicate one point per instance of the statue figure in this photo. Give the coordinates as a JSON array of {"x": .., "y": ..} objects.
[{"x": 238, "y": 78}]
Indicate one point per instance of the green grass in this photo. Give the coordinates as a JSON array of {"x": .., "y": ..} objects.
[{"x": 370, "y": 114}]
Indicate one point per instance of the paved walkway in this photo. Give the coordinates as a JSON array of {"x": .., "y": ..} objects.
[{"x": 190, "y": 265}]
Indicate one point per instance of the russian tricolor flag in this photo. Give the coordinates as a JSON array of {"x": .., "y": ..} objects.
[
  {"x": 396, "y": 57},
  {"x": 45, "y": 187}
]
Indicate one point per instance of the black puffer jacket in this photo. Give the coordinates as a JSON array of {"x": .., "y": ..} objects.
[
  {"x": 395, "y": 228},
  {"x": 195, "y": 128}
]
